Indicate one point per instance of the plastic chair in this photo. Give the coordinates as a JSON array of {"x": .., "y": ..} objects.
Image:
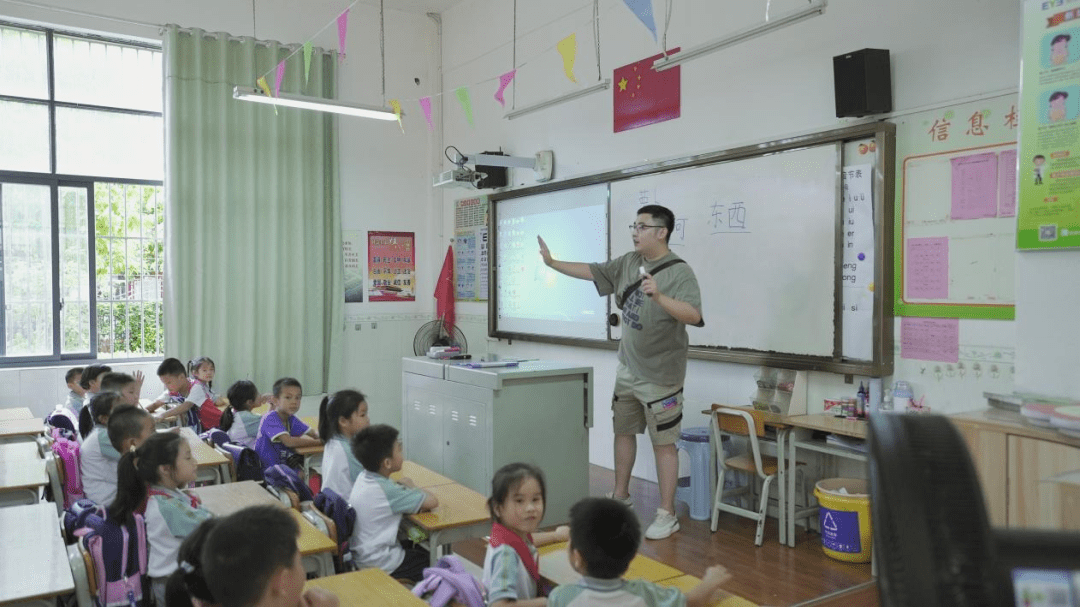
[{"x": 56, "y": 481}]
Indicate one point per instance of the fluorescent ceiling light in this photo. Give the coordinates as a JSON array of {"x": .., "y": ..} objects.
[
  {"x": 599, "y": 86},
  {"x": 663, "y": 63},
  {"x": 315, "y": 103}
]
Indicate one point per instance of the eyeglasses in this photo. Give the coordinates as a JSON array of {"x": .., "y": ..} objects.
[{"x": 641, "y": 227}]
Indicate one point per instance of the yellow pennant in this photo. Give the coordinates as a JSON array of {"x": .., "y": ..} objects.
[
  {"x": 567, "y": 47},
  {"x": 261, "y": 82},
  {"x": 396, "y": 104}
]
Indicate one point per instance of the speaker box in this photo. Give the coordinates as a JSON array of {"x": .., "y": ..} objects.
[
  {"x": 497, "y": 177},
  {"x": 862, "y": 82}
]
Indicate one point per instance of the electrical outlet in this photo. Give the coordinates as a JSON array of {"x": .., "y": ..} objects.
[
  {"x": 374, "y": 325},
  {"x": 358, "y": 326}
]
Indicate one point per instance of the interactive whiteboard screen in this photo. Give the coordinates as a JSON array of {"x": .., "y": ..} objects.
[{"x": 532, "y": 298}]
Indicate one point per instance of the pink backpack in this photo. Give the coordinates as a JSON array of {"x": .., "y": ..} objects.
[{"x": 66, "y": 452}]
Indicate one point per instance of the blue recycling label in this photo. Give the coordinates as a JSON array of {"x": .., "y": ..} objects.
[{"x": 840, "y": 530}]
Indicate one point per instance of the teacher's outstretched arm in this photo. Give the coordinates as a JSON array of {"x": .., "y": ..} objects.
[{"x": 570, "y": 268}]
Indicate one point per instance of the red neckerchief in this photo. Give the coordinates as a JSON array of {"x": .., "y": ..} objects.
[{"x": 500, "y": 535}]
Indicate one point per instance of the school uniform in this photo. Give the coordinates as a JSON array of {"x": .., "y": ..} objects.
[
  {"x": 379, "y": 503},
  {"x": 97, "y": 465},
  {"x": 245, "y": 428},
  {"x": 339, "y": 466},
  {"x": 593, "y": 592},
  {"x": 268, "y": 443},
  {"x": 74, "y": 402},
  {"x": 506, "y": 575},
  {"x": 171, "y": 515},
  {"x": 196, "y": 395}
]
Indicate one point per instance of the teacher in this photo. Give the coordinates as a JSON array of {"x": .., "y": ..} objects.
[{"x": 658, "y": 295}]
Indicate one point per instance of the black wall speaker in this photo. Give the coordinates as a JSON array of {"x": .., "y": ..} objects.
[{"x": 862, "y": 82}]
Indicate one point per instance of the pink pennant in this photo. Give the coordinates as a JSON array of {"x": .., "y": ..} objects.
[
  {"x": 342, "y": 29},
  {"x": 278, "y": 78},
  {"x": 425, "y": 105},
  {"x": 504, "y": 81}
]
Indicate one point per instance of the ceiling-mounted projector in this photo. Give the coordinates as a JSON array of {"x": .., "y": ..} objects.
[{"x": 462, "y": 176}]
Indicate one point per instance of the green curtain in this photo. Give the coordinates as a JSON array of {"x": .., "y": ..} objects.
[{"x": 253, "y": 269}]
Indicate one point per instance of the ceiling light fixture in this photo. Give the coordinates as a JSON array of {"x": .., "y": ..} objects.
[{"x": 314, "y": 103}]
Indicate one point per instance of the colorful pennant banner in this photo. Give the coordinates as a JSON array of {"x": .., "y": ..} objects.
[
  {"x": 425, "y": 106},
  {"x": 568, "y": 49},
  {"x": 643, "y": 10},
  {"x": 466, "y": 105},
  {"x": 396, "y": 105},
  {"x": 504, "y": 81},
  {"x": 342, "y": 30}
]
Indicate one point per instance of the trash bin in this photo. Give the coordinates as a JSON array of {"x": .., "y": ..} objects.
[
  {"x": 844, "y": 518},
  {"x": 696, "y": 489}
]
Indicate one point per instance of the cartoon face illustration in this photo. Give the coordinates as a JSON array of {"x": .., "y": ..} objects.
[
  {"x": 1059, "y": 49},
  {"x": 1057, "y": 105}
]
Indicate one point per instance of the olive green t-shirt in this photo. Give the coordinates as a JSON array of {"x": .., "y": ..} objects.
[{"x": 654, "y": 344}]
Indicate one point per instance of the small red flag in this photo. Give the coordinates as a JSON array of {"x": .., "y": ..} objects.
[
  {"x": 444, "y": 291},
  {"x": 643, "y": 96}
]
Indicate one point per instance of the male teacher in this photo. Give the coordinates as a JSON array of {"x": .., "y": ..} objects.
[{"x": 658, "y": 295}]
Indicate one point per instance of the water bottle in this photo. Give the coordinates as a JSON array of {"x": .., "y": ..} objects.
[{"x": 902, "y": 396}]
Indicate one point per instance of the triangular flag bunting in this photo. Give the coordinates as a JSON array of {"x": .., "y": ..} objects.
[
  {"x": 504, "y": 81},
  {"x": 307, "y": 60},
  {"x": 568, "y": 49},
  {"x": 466, "y": 105},
  {"x": 278, "y": 78},
  {"x": 396, "y": 104},
  {"x": 265, "y": 88},
  {"x": 425, "y": 106},
  {"x": 342, "y": 29},
  {"x": 643, "y": 10}
]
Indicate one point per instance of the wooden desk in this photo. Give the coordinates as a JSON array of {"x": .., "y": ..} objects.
[
  {"x": 21, "y": 429},
  {"x": 555, "y": 566},
  {"x": 720, "y": 597},
  {"x": 420, "y": 476},
  {"x": 461, "y": 514},
  {"x": 209, "y": 460},
  {"x": 18, "y": 452},
  {"x": 367, "y": 588},
  {"x": 40, "y": 571},
  {"x": 310, "y": 453},
  {"x": 16, "y": 413},
  {"x": 21, "y": 481}
]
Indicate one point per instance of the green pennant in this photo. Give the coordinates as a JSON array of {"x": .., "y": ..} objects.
[{"x": 466, "y": 104}]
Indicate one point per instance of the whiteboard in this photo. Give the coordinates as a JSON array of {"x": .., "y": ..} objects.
[{"x": 761, "y": 236}]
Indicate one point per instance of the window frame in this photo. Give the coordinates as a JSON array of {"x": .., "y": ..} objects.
[{"x": 55, "y": 181}]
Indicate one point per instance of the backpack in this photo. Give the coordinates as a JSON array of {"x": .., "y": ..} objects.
[
  {"x": 337, "y": 509},
  {"x": 64, "y": 422},
  {"x": 209, "y": 415},
  {"x": 215, "y": 436},
  {"x": 285, "y": 478},
  {"x": 448, "y": 581},
  {"x": 77, "y": 515},
  {"x": 119, "y": 556},
  {"x": 246, "y": 462},
  {"x": 66, "y": 452}
]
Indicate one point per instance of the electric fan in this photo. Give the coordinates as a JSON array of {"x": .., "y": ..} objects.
[{"x": 434, "y": 333}]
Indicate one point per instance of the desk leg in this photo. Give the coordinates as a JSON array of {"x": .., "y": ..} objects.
[
  {"x": 321, "y": 564},
  {"x": 434, "y": 547},
  {"x": 790, "y": 518}
]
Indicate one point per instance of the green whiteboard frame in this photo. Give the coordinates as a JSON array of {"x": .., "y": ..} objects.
[{"x": 881, "y": 364}]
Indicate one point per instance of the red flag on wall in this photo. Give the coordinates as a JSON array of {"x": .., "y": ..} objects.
[
  {"x": 444, "y": 291},
  {"x": 643, "y": 96}
]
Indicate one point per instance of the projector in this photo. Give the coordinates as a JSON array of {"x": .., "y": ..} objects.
[{"x": 459, "y": 177}]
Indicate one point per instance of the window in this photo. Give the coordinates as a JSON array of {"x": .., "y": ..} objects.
[{"x": 81, "y": 200}]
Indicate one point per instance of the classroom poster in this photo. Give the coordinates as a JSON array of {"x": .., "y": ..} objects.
[
  {"x": 471, "y": 248},
  {"x": 858, "y": 274},
  {"x": 353, "y": 274},
  {"x": 1048, "y": 203},
  {"x": 391, "y": 266}
]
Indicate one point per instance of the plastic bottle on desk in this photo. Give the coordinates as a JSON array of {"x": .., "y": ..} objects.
[{"x": 902, "y": 396}]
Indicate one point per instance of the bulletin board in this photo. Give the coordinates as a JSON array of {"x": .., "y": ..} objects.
[
  {"x": 955, "y": 232},
  {"x": 471, "y": 249}
]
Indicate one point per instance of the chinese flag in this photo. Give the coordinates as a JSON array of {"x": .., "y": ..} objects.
[
  {"x": 643, "y": 96},
  {"x": 444, "y": 290}
]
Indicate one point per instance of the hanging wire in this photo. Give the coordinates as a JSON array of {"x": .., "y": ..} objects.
[
  {"x": 253, "y": 30},
  {"x": 513, "y": 58},
  {"x": 667, "y": 22},
  {"x": 301, "y": 47},
  {"x": 382, "y": 46},
  {"x": 596, "y": 37}
]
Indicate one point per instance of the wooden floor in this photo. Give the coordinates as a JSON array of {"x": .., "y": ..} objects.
[{"x": 767, "y": 575}]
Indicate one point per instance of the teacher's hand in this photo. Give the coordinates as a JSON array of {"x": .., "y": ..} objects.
[
  {"x": 544, "y": 252},
  {"x": 648, "y": 286}
]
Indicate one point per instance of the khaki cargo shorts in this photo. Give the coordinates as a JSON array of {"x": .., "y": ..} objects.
[{"x": 637, "y": 405}]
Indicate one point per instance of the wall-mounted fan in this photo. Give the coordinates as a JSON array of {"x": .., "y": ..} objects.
[{"x": 435, "y": 333}]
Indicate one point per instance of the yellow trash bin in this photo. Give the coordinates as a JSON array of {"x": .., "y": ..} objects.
[{"x": 844, "y": 518}]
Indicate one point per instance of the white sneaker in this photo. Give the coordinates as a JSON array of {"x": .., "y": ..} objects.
[
  {"x": 665, "y": 524},
  {"x": 623, "y": 500}
]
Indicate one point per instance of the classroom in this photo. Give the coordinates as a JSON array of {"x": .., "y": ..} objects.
[{"x": 254, "y": 214}]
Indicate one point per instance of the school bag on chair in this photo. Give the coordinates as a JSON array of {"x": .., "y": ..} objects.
[
  {"x": 215, "y": 437},
  {"x": 119, "y": 557},
  {"x": 449, "y": 581},
  {"x": 286, "y": 479},
  {"x": 76, "y": 517},
  {"x": 63, "y": 421},
  {"x": 245, "y": 460},
  {"x": 337, "y": 509},
  {"x": 66, "y": 452}
]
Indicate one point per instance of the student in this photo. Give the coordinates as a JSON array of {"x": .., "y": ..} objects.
[
  {"x": 250, "y": 559},
  {"x": 77, "y": 393},
  {"x": 154, "y": 474},
  {"x": 180, "y": 392},
  {"x": 97, "y": 456},
  {"x": 379, "y": 503},
  {"x": 91, "y": 381},
  {"x": 281, "y": 431},
  {"x": 127, "y": 386},
  {"x": 341, "y": 416},
  {"x": 604, "y": 538},
  {"x": 512, "y": 563},
  {"x": 186, "y": 587},
  {"x": 239, "y": 420},
  {"x": 201, "y": 373}
]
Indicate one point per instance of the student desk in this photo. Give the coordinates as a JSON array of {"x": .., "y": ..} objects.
[
  {"x": 17, "y": 452},
  {"x": 367, "y": 588},
  {"x": 34, "y": 568},
  {"x": 420, "y": 476},
  {"x": 210, "y": 461},
  {"x": 316, "y": 549},
  {"x": 21, "y": 480},
  {"x": 555, "y": 566},
  {"x": 13, "y": 430},
  {"x": 16, "y": 413},
  {"x": 461, "y": 514},
  {"x": 310, "y": 453}
]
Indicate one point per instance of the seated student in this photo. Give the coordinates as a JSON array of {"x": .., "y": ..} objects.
[
  {"x": 180, "y": 392},
  {"x": 604, "y": 538},
  {"x": 379, "y": 503},
  {"x": 76, "y": 393},
  {"x": 280, "y": 431},
  {"x": 186, "y": 587},
  {"x": 201, "y": 372},
  {"x": 341, "y": 416},
  {"x": 239, "y": 420},
  {"x": 97, "y": 456},
  {"x": 512, "y": 563},
  {"x": 127, "y": 386},
  {"x": 152, "y": 476},
  {"x": 251, "y": 559},
  {"x": 90, "y": 380}
]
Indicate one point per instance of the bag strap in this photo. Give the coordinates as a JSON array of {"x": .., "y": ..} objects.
[{"x": 626, "y": 293}]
